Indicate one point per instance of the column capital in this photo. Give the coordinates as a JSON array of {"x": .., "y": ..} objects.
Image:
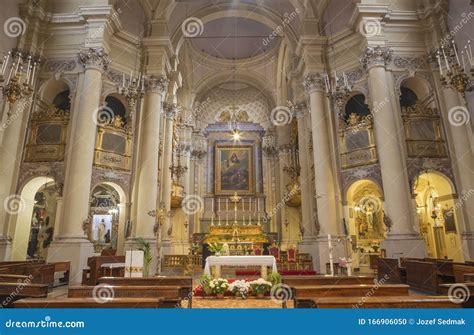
[
  {"x": 300, "y": 109},
  {"x": 170, "y": 110},
  {"x": 156, "y": 84},
  {"x": 313, "y": 82},
  {"x": 94, "y": 58},
  {"x": 376, "y": 56}
]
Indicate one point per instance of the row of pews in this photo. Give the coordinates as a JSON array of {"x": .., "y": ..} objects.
[
  {"x": 121, "y": 292},
  {"x": 30, "y": 279},
  {"x": 357, "y": 292}
]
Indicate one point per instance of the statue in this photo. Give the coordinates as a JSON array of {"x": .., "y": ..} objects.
[
  {"x": 369, "y": 214},
  {"x": 101, "y": 231}
]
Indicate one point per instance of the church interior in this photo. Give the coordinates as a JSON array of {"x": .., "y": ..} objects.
[{"x": 236, "y": 153}]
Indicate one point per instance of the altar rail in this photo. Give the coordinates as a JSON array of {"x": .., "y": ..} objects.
[{"x": 182, "y": 261}]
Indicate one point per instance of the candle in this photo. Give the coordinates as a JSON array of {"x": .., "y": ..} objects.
[
  {"x": 123, "y": 80},
  {"x": 470, "y": 49},
  {"x": 439, "y": 63},
  {"x": 445, "y": 59},
  {"x": 218, "y": 205},
  {"x": 213, "y": 205},
  {"x": 331, "y": 265},
  {"x": 455, "y": 52},
  {"x": 463, "y": 64},
  {"x": 226, "y": 204}
]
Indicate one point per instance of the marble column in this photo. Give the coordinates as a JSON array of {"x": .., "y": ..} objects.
[
  {"x": 147, "y": 165},
  {"x": 402, "y": 238},
  {"x": 170, "y": 111},
  {"x": 324, "y": 172},
  {"x": 72, "y": 243},
  {"x": 13, "y": 130},
  {"x": 458, "y": 129}
]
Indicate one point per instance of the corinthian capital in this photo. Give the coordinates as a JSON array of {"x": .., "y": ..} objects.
[
  {"x": 94, "y": 59},
  {"x": 313, "y": 82},
  {"x": 170, "y": 110},
  {"x": 156, "y": 84},
  {"x": 376, "y": 56}
]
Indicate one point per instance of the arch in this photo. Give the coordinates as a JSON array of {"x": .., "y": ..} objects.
[
  {"x": 21, "y": 227},
  {"x": 419, "y": 85},
  {"x": 52, "y": 87}
]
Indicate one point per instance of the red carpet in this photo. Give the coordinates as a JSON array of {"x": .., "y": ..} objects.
[{"x": 282, "y": 272}]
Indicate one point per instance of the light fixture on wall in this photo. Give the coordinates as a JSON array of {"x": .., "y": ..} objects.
[
  {"x": 17, "y": 75},
  {"x": 455, "y": 65}
]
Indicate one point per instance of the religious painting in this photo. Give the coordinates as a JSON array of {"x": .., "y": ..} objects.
[
  {"x": 449, "y": 223},
  {"x": 234, "y": 169}
]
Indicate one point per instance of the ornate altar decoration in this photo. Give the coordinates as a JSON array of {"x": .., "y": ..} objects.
[
  {"x": 114, "y": 144},
  {"x": 234, "y": 169},
  {"x": 368, "y": 215},
  {"x": 177, "y": 170},
  {"x": 47, "y": 137},
  {"x": 423, "y": 131},
  {"x": 240, "y": 239},
  {"x": 357, "y": 142}
]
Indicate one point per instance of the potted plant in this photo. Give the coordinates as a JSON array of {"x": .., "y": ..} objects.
[
  {"x": 218, "y": 287},
  {"x": 240, "y": 288},
  {"x": 216, "y": 248},
  {"x": 260, "y": 287},
  {"x": 274, "y": 278},
  {"x": 147, "y": 256}
]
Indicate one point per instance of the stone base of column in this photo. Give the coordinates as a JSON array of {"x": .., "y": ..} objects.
[
  {"x": 322, "y": 249},
  {"x": 5, "y": 248},
  {"x": 166, "y": 247},
  {"x": 467, "y": 242},
  {"x": 74, "y": 250},
  {"x": 179, "y": 248},
  {"x": 309, "y": 246},
  {"x": 155, "y": 266},
  {"x": 404, "y": 245}
]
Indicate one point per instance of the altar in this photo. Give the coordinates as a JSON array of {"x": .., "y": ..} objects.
[{"x": 240, "y": 261}]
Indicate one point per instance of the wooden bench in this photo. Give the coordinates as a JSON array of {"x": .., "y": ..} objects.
[
  {"x": 91, "y": 275},
  {"x": 389, "y": 270},
  {"x": 303, "y": 295},
  {"x": 172, "y": 295},
  {"x": 6, "y": 278},
  {"x": 469, "y": 277},
  {"x": 460, "y": 270},
  {"x": 10, "y": 292},
  {"x": 412, "y": 301},
  {"x": 326, "y": 280},
  {"x": 89, "y": 303},
  {"x": 422, "y": 275},
  {"x": 42, "y": 273},
  {"x": 445, "y": 290}
]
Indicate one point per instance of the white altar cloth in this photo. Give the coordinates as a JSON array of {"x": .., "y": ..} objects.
[{"x": 240, "y": 261}]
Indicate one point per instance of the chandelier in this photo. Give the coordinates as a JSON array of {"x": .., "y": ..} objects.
[
  {"x": 132, "y": 88},
  {"x": 455, "y": 68},
  {"x": 338, "y": 88},
  {"x": 17, "y": 75}
]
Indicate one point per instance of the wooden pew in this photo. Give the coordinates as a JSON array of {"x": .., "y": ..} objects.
[
  {"x": 326, "y": 280},
  {"x": 422, "y": 275},
  {"x": 10, "y": 292},
  {"x": 303, "y": 295},
  {"x": 412, "y": 301},
  {"x": 89, "y": 303},
  {"x": 64, "y": 267},
  {"x": 91, "y": 275},
  {"x": 184, "y": 282},
  {"x": 460, "y": 270},
  {"x": 388, "y": 269},
  {"x": 6, "y": 278},
  {"x": 469, "y": 277},
  {"x": 457, "y": 291},
  {"x": 172, "y": 295},
  {"x": 42, "y": 273}
]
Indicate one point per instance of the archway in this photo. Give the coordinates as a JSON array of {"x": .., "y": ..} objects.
[
  {"x": 107, "y": 229},
  {"x": 364, "y": 221},
  {"x": 437, "y": 217},
  {"x": 34, "y": 225}
]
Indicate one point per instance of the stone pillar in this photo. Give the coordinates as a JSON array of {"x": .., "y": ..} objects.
[
  {"x": 324, "y": 172},
  {"x": 402, "y": 238},
  {"x": 170, "y": 111},
  {"x": 13, "y": 130},
  {"x": 147, "y": 166},
  {"x": 459, "y": 133},
  {"x": 72, "y": 243}
]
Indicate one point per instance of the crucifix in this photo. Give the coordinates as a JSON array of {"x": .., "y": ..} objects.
[{"x": 235, "y": 199}]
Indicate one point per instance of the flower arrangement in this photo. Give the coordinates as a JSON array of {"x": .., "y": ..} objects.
[
  {"x": 260, "y": 287},
  {"x": 240, "y": 288},
  {"x": 218, "y": 286},
  {"x": 216, "y": 248}
]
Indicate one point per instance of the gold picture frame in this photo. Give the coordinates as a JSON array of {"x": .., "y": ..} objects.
[{"x": 233, "y": 169}]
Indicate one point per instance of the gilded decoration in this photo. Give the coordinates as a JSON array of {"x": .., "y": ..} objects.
[
  {"x": 114, "y": 144},
  {"x": 240, "y": 239},
  {"x": 47, "y": 135}
]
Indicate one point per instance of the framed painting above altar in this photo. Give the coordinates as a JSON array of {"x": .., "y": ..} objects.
[{"x": 234, "y": 169}]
